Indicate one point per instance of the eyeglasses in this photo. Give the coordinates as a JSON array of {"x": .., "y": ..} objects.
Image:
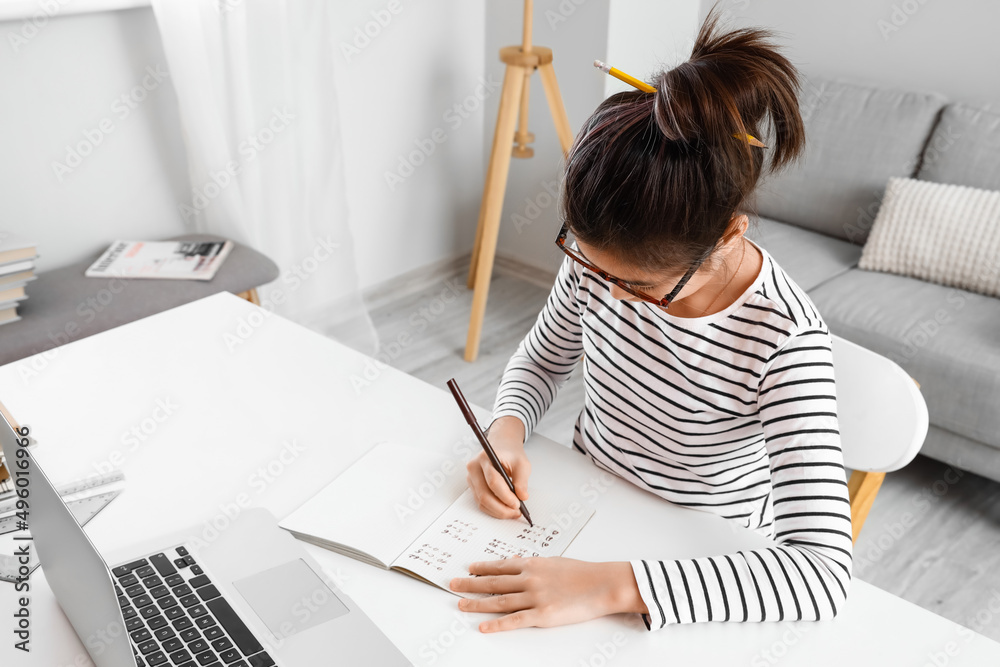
[{"x": 621, "y": 284}]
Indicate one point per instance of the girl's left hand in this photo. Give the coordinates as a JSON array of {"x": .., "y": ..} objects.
[{"x": 544, "y": 592}]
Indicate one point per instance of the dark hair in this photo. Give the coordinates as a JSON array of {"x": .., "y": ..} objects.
[{"x": 656, "y": 178}]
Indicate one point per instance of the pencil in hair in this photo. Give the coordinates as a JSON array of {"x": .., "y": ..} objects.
[
  {"x": 646, "y": 88},
  {"x": 622, "y": 76}
]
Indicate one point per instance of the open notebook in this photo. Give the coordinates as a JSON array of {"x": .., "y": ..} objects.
[{"x": 405, "y": 509}]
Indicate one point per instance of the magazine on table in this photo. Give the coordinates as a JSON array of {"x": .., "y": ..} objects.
[{"x": 173, "y": 260}]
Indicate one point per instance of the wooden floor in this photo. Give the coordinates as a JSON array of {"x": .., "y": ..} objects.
[{"x": 933, "y": 536}]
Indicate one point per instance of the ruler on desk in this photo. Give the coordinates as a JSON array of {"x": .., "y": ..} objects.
[
  {"x": 82, "y": 486},
  {"x": 84, "y": 509},
  {"x": 85, "y": 499}
]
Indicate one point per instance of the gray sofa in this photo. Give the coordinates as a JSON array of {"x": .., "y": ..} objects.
[{"x": 815, "y": 217}]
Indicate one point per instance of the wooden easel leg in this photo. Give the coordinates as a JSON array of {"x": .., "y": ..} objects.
[
  {"x": 556, "y": 106},
  {"x": 473, "y": 263},
  {"x": 492, "y": 206},
  {"x": 862, "y": 489},
  {"x": 471, "y": 282},
  {"x": 522, "y": 138}
]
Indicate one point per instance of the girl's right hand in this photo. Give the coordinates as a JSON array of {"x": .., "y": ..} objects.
[{"x": 492, "y": 493}]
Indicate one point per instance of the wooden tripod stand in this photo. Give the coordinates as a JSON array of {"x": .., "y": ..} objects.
[{"x": 521, "y": 61}]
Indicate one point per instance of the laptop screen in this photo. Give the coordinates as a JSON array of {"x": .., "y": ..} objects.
[{"x": 73, "y": 568}]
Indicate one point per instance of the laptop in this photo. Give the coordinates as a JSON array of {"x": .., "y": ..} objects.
[{"x": 252, "y": 597}]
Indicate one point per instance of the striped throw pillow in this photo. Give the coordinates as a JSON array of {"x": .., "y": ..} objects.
[{"x": 946, "y": 234}]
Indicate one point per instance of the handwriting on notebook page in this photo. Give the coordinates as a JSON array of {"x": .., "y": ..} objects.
[
  {"x": 464, "y": 534},
  {"x": 430, "y": 556},
  {"x": 462, "y": 531},
  {"x": 529, "y": 542}
]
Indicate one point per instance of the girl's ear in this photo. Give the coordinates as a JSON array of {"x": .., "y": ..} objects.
[{"x": 738, "y": 226}]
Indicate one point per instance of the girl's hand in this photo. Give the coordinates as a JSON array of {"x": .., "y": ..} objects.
[
  {"x": 492, "y": 493},
  {"x": 544, "y": 592}
]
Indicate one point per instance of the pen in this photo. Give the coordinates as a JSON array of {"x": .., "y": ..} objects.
[{"x": 471, "y": 418}]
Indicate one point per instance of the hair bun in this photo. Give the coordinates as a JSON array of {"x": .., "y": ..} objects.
[
  {"x": 656, "y": 179},
  {"x": 675, "y": 105},
  {"x": 735, "y": 83}
]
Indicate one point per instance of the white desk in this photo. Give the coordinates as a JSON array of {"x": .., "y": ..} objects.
[{"x": 235, "y": 406}]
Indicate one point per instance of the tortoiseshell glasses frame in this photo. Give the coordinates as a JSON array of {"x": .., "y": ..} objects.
[{"x": 618, "y": 282}]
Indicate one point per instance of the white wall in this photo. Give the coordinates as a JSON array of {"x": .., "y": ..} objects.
[
  {"x": 576, "y": 31},
  {"x": 59, "y": 83},
  {"x": 637, "y": 36},
  {"x": 393, "y": 96},
  {"x": 948, "y": 47},
  {"x": 645, "y": 36},
  {"x": 65, "y": 78}
]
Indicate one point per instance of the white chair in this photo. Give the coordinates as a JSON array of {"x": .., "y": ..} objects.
[{"x": 883, "y": 421}]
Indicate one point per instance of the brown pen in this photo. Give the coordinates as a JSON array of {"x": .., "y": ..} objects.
[{"x": 471, "y": 418}]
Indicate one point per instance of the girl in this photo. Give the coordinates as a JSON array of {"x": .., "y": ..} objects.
[{"x": 708, "y": 372}]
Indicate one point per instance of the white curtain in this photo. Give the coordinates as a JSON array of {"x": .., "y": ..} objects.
[{"x": 255, "y": 85}]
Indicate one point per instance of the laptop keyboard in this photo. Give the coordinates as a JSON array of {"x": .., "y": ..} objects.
[{"x": 176, "y": 616}]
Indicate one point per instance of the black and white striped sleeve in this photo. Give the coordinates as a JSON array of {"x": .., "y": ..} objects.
[
  {"x": 546, "y": 357},
  {"x": 807, "y": 574}
]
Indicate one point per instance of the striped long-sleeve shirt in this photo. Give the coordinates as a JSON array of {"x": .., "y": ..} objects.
[{"x": 733, "y": 413}]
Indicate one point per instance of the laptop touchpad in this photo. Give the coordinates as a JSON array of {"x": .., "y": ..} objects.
[{"x": 290, "y": 598}]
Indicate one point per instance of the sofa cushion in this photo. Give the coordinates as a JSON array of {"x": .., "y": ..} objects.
[
  {"x": 809, "y": 258},
  {"x": 964, "y": 149},
  {"x": 857, "y": 136},
  {"x": 939, "y": 232},
  {"x": 63, "y": 305},
  {"x": 944, "y": 337}
]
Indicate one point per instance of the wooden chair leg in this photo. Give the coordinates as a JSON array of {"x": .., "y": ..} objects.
[
  {"x": 556, "y": 107},
  {"x": 862, "y": 489},
  {"x": 251, "y": 296},
  {"x": 492, "y": 206}
]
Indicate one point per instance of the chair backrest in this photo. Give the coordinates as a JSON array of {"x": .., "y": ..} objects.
[{"x": 882, "y": 414}]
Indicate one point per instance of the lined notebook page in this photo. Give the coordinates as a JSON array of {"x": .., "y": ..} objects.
[
  {"x": 463, "y": 535},
  {"x": 380, "y": 504}
]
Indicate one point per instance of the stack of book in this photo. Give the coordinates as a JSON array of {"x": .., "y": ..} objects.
[{"x": 17, "y": 268}]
